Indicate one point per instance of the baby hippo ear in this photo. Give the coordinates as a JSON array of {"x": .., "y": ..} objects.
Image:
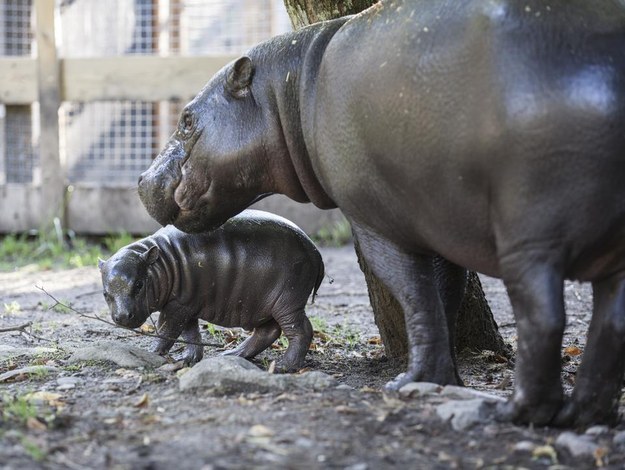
[
  {"x": 151, "y": 255},
  {"x": 100, "y": 263},
  {"x": 240, "y": 77}
]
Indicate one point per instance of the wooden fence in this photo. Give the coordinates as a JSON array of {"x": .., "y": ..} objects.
[{"x": 50, "y": 80}]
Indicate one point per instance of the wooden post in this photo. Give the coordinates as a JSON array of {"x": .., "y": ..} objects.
[{"x": 49, "y": 92}]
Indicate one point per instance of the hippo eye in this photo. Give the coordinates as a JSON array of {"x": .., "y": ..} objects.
[
  {"x": 107, "y": 296},
  {"x": 187, "y": 123},
  {"x": 139, "y": 285}
]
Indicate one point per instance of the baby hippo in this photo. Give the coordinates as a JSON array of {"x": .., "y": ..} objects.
[{"x": 256, "y": 272}]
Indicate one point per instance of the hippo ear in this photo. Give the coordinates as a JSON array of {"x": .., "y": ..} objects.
[
  {"x": 240, "y": 77},
  {"x": 100, "y": 263},
  {"x": 151, "y": 255}
]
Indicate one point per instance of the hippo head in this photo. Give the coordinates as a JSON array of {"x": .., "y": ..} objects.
[
  {"x": 125, "y": 281},
  {"x": 213, "y": 166}
]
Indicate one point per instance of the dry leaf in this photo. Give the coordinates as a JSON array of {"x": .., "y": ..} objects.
[
  {"x": 259, "y": 430},
  {"x": 545, "y": 452},
  {"x": 35, "y": 424},
  {"x": 143, "y": 401},
  {"x": 572, "y": 351},
  {"x": 374, "y": 340},
  {"x": 49, "y": 398},
  {"x": 147, "y": 328}
]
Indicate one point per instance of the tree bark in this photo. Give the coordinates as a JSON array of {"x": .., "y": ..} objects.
[{"x": 476, "y": 328}]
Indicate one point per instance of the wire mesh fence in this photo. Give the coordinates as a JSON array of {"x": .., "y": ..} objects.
[{"x": 110, "y": 143}]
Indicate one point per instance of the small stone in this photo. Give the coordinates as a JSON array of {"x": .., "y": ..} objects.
[
  {"x": 578, "y": 445},
  {"x": 619, "y": 439},
  {"x": 124, "y": 355},
  {"x": 419, "y": 388},
  {"x": 67, "y": 383},
  {"x": 524, "y": 446},
  {"x": 463, "y": 414},
  {"x": 463, "y": 393},
  {"x": 597, "y": 430},
  {"x": 344, "y": 387}
]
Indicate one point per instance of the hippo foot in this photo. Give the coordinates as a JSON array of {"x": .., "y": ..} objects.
[
  {"x": 515, "y": 411},
  {"x": 284, "y": 367},
  {"x": 582, "y": 415},
  {"x": 406, "y": 377},
  {"x": 190, "y": 356},
  {"x": 160, "y": 350}
]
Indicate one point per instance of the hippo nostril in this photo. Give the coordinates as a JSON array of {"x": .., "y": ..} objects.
[{"x": 140, "y": 179}]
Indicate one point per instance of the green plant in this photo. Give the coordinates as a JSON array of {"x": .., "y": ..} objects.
[
  {"x": 116, "y": 241},
  {"x": 17, "y": 409},
  {"x": 338, "y": 233},
  {"x": 33, "y": 449},
  {"x": 12, "y": 308}
]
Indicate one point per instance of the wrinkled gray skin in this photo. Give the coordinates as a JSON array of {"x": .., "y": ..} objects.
[
  {"x": 489, "y": 133},
  {"x": 256, "y": 271}
]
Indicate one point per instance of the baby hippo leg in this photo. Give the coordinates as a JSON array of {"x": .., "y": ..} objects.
[
  {"x": 299, "y": 332},
  {"x": 193, "y": 353},
  {"x": 168, "y": 331},
  {"x": 262, "y": 337}
]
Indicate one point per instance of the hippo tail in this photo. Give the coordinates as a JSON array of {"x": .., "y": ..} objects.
[{"x": 320, "y": 275}]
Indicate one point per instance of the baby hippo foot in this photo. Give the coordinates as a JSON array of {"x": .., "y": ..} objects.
[
  {"x": 283, "y": 366},
  {"x": 520, "y": 412},
  {"x": 191, "y": 355},
  {"x": 162, "y": 347}
]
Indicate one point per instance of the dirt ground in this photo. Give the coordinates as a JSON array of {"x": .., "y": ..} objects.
[{"x": 98, "y": 415}]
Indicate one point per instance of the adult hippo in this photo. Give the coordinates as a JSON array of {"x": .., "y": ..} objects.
[{"x": 488, "y": 133}]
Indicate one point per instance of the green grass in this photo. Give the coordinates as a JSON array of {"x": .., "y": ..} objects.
[
  {"x": 17, "y": 410},
  {"x": 336, "y": 234},
  {"x": 49, "y": 249}
]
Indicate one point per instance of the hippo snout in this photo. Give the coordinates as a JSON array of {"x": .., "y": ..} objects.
[{"x": 127, "y": 319}]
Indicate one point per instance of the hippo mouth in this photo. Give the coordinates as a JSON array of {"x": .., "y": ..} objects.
[{"x": 205, "y": 218}]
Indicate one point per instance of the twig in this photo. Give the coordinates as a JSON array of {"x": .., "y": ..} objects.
[
  {"x": 16, "y": 328},
  {"x": 139, "y": 332}
]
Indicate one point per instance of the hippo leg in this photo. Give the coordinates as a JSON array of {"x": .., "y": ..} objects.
[
  {"x": 411, "y": 278},
  {"x": 169, "y": 330},
  {"x": 451, "y": 280},
  {"x": 262, "y": 337},
  {"x": 298, "y": 330},
  {"x": 598, "y": 382},
  {"x": 193, "y": 353},
  {"x": 536, "y": 293}
]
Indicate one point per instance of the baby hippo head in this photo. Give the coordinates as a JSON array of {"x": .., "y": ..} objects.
[{"x": 125, "y": 282}]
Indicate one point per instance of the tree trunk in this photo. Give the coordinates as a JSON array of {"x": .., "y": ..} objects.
[{"x": 476, "y": 328}]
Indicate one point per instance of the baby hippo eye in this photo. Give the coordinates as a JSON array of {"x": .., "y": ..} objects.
[
  {"x": 107, "y": 296},
  {"x": 139, "y": 285}
]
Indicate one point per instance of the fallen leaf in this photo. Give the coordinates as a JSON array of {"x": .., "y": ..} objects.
[
  {"x": 599, "y": 454},
  {"x": 546, "y": 451},
  {"x": 259, "y": 430},
  {"x": 142, "y": 402},
  {"x": 147, "y": 328},
  {"x": 35, "y": 424},
  {"x": 272, "y": 367},
  {"x": 52, "y": 399},
  {"x": 374, "y": 340},
  {"x": 572, "y": 351}
]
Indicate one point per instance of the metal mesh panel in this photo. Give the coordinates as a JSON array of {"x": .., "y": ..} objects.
[
  {"x": 112, "y": 143},
  {"x": 18, "y": 152}
]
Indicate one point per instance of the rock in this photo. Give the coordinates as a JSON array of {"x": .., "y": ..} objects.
[
  {"x": 227, "y": 375},
  {"x": 597, "y": 430},
  {"x": 578, "y": 445},
  {"x": 465, "y": 413},
  {"x": 419, "y": 388},
  {"x": 619, "y": 439},
  {"x": 463, "y": 393},
  {"x": 7, "y": 352},
  {"x": 30, "y": 370},
  {"x": 124, "y": 355},
  {"x": 524, "y": 446},
  {"x": 67, "y": 383}
]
